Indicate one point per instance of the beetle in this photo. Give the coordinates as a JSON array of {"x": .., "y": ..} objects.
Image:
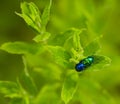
[{"x": 84, "y": 63}]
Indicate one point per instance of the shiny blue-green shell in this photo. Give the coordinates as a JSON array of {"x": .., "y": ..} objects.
[{"x": 83, "y": 64}]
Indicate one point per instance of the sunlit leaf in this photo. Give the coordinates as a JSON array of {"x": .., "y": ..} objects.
[
  {"x": 60, "y": 55},
  {"x": 60, "y": 39},
  {"x": 42, "y": 37},
  {"x": 20, "y": 48},
  {"x": 76, "y": 41},
  {"x": 46, "y": 15},
  {"x": 70, "y": 40},
  {"x": 99, "y": 62},
  {"x": 92, "y": 48},
  {"x": 69, "y": 86},
  {"x": 31, "y": 15}
]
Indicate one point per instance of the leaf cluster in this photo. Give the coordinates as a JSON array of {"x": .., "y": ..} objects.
[{"x": 60, "y": 52}]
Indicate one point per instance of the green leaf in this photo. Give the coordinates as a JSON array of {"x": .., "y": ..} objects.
[
  {"x": 21, "y": 48},
  {"x": 60, "y": 55},
  {"x": 76, "y": 41},
  {"x": 42, "y": 37},
  {"x": 31, "y": 15},
  {"x": 85, "y": 38},
  {"x": 69, "y": 86},
  {"x": 60, "y": 39},
  {"x": 70, "y": 40},
  {"x": 10, "y": 89},
  {"x": 99, "y": 62},
  {"x": 48, "y": 95},
  {"x": 92, "y": 48},
  {"x": 73, "y": 45},
  {"x": 27, "y": 81},
  {"x": 77, "y": 50},
  {"x": 45, "y": 15}
]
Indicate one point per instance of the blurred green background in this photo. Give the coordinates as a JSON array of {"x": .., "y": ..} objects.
[{"x": 99, "y": 16}]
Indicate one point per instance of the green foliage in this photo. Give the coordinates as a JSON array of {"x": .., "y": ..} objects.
[
  {"x": 60, "y": 55},
  {"x": 31, "y": 15},
  {"x": 54, "y": 54},
  {"x": 41, "y": 38},
  {"x": 21, "y": 48},
  {"x": 10, "y": 89},
  {"x": 92, "y": 48},
  {"x": 100, "y": 62},
  {"x": 27, "y": 80},
  {"x": 45, "y": 15},
  {"x": 69, "y": 86}
]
